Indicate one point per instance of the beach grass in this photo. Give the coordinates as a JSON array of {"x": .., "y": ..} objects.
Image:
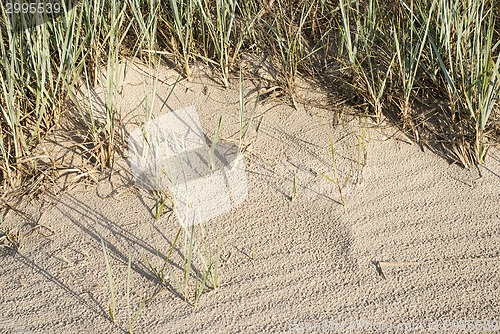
[{"x": 399, "y": 57}]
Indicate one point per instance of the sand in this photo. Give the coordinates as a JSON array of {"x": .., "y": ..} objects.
[{"x": 416, "y": 244}]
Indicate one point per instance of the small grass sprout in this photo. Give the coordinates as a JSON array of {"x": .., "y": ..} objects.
[{"x": 111, "y": 282}]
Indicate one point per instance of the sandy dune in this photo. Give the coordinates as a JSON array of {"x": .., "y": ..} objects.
[{"x": 418, "y": 241}]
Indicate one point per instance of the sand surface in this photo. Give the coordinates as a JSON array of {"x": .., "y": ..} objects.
[{"x": 418, "y": 240}]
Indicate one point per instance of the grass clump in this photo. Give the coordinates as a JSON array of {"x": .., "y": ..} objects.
[
  {"x": 132, "y": 316},
  {"x": 199, "y": 272},
  {"x": 411, "y": 55}
]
